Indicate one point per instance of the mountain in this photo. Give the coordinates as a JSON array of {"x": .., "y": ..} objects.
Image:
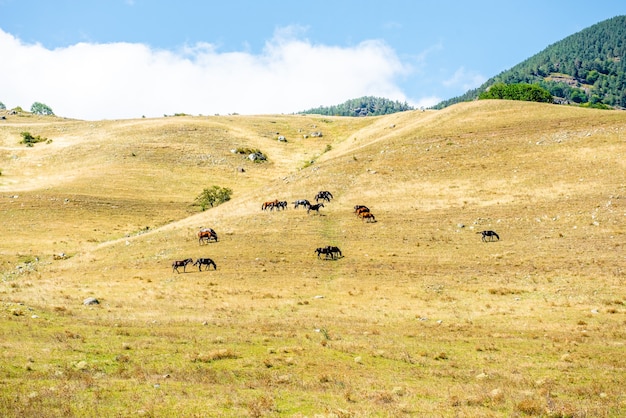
[
  {"x": 363, "y": 106},
  {"x": 588, "y": 67}
]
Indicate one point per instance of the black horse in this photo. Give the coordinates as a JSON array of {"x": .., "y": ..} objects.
[
  {"x": 181, "y": 263},
  {"x": 315, "y": 207},
  {"x": 335, "y": 252},
  {"x": 205, "y": 262},
  {"x": 324, "y": 251},
  {"x": 329, "y": 252},
  {"x": 489, "y": 235},
  {"x": 323, "y": 195},
  {"x": 301, "y": 202},
  {"x": 280, "y": 205}
]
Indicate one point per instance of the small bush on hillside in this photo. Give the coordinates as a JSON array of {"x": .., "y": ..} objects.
[
  {"x": 30, "y": 140},
  {"x": 247, "y": 151},
  {"x": 213, "y": 196},
  {"x": 2, "y": 106}
]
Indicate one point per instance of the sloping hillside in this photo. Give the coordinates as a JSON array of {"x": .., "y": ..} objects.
[{"x": 419, "y": 317}]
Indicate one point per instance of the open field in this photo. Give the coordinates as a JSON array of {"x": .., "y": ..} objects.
[{"x": 418, "y": 318}]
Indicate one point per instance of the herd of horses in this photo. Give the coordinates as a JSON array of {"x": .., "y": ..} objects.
[
  {"x": 278, "y": 204},
  {"x": 364, "y": 213},
  {"x": 199, "y": 262},
  {"x": 330, "y": 252}
]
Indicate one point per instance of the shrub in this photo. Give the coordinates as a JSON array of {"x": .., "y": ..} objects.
[
  {"x": 30, "y": 140},
  {"x": 247, "y": 151},
  {"x": 213, "y": 196}
]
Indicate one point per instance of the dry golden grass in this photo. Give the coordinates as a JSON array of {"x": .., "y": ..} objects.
[{"x": 419, "y": 318}]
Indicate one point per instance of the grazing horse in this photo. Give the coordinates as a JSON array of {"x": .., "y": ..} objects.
[
  {"x": 358, "y": 208},
  {"x": 301, "y": 202},
  {"x": 269, "y": 205},
  {"x": 315, "y": 207},
  {"x": 181, "y": 263},
  {"x": 335, "y": 252},
  {"x": 360, "y": 211},
  {"x": 323, "y": 195},
  {"x": 206, "y": 262},
  {"x": 324, "y": 250},
  {"x": 369, "y": 216},
  {"x": 280, "y": 205},
  {"x": 488, "y": 235},
  {"x": 329, "y": 251},
  {"x": 206, "y": 235}
]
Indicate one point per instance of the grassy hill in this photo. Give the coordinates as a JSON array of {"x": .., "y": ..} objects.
[{"x": 419, "y": 318}]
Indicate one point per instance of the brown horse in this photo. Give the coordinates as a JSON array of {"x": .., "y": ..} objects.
[
  {"x": 361, "y": 210},
  {"x": 206, "y": 235},
  {"x": 369, "y": 216},
  {"x": 269, "y": 205},
  {"x": 181, "y": 263}
]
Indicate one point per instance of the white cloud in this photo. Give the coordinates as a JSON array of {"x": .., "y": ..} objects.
[
  {"x": 425, "y": 102},
  {"x": 465, "y": 80},
  {"x": 123, "y": 80}
]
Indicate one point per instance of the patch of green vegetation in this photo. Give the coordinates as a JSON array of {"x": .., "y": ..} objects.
[
  {"x": 30, "y": 140},
  {"x": 213, "y": 196}
]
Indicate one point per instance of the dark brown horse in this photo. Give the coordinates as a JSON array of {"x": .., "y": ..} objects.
[
  {"x": 315, "y": 207},
  {"x": 361, "y": 210},
  {"x": 269, "y": 205},
  {"x": 181, "y": 263},
  {"x": 369, "y": 216}
]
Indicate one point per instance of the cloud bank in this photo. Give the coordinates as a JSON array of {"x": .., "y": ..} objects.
[{"x": 126, "y": 80}]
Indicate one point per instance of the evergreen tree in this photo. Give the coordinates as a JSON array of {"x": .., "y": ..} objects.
[{"x": 41, "y": 109}]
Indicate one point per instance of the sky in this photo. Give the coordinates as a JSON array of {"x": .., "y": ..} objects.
[{"x": 121, "y": 59}]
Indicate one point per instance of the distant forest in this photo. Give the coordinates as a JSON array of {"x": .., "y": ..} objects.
[
  {"x": 587, "y": 68},
  {"x": 364, "y": 106}
]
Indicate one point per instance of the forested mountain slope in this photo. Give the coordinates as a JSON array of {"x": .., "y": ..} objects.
[{"x": 586, "y": 67}]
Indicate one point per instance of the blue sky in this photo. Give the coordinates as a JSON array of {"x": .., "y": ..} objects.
[{"x": 97, "y": 59}]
